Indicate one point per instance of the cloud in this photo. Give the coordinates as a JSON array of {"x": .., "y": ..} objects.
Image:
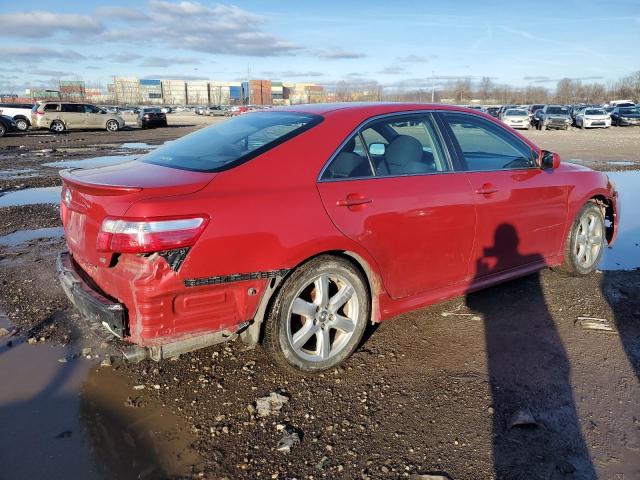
[
  {"x": 392, "y": 70},
  {"x": 120, "y": 13},
  {"x": 291, "y": 74},
  {"x": 42, "y": 24},
  {"x": 415, "y": 59},
  {"x": 123, "y": 57},
  {"x": 168, "y": 61},
  {"x": 41, "y": 72},
  {"x": 29, "y": 53},
  {"x": 543, "y": 79},
  {"x": 173, "y": 77},
  {"x": 339, "y": 54}
]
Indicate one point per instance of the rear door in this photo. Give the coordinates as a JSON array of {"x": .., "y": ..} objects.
[
  {"x": 92, "y": 116},
  {"x": 521, "y": 208},
  {"x": 392, "y": 189},
  {"x": 73, "y": 115}
]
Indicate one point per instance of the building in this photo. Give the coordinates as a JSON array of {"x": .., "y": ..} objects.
[
  {"x": 150, "y": 91},
  {"x": 220, "y": 92},
  {"x": 174, "y": 92},
  {"x": 35, "y": 94},
  {"x": 197, "y": 92},
  {"x": 72, "y": 90},
  {"x": 126, "y": 90}
]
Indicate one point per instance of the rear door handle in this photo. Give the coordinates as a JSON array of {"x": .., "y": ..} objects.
[
  {"x": 486, "y": 189},
  {"x": 353, "y": 200}
]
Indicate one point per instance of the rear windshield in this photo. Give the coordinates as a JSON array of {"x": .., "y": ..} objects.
[
  {"x": 151, "y": 110},
  {"x": 232, "y": 142}
]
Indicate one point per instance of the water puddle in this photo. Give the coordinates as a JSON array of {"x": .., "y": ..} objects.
[
  {"x": 30, "y": 196},
  {"x": 625, "y": 254},
  {"x": 138, "y": 146},
  {"x": 621, "y": 163},
  {"x": 16, "y": 238},
  {"x": 92, "y": 162},
  {"x": 76, "y": 419},
  {"x": 20, "y": 173}
]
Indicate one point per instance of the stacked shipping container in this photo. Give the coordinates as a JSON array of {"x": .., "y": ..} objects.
[
  {"x": 257, "y": 92},
  {"x": 174, "y": 92},
  {"x": 72, "y": 90},
  {"x": 150, "y": 91},
  {"x": 197, "y": 93}
]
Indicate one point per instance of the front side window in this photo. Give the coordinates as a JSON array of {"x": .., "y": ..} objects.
[
  {"x": 229, "y": 143},
  {"x": 486, "y": 146}
]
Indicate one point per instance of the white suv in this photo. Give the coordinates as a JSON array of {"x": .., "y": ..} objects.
[{"x": 20, "y": 112}]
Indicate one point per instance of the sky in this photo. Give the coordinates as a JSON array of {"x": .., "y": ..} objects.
[{"x": 396, "y": 43}]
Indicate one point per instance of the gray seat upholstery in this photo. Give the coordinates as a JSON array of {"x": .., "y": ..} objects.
[
  {"x": 404, "y": 156},
  {"x": 348, "y": 164}
]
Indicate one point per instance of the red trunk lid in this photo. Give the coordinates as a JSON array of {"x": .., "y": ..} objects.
[{"x": 88, "y": 196}]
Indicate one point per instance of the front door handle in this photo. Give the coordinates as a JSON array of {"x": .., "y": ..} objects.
[
  {"x": 487, "y": 189},
  {"x": 353, "y": 200}
]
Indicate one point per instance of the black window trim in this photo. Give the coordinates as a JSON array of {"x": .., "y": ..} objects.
[
  {"x": 460, "y": 155},
  {"x": 358, "y": 131}
]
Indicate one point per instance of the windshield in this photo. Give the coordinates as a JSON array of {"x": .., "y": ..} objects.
[
  {"x": 594, "y": 111},
  {"x": 558, "y": 110},
  {"x": 629, "y": 110},
  {"x": 516, "y": 113},
  {"x": 231, "y": 142}
]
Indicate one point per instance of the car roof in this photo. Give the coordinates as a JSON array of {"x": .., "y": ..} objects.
[{"x": 369, "y": 108}]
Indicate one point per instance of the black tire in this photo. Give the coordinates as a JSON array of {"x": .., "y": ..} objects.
[
  {"x": 22, "y": 124},
  {"x": 112, "y": 126},
  {"x": 277, "y": 329},
  {"x": 164, "y": 124},
  {"x": 57, "y": 126},
  {"x": 571, "y": 265},
  {"x": 3, "y": 130}
]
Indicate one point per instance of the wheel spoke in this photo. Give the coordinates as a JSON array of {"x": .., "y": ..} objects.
[
  {"x": 587, "y": 256},
  {"x": 592, "y": 225},
  {"x": 596, "y": 240},
  {"x": 581, "y": 239},
  {"x": 322, "y": 290},
  {"x": 344, "y": 324},
  {"x": 324, "y": 343},
  {"x": 303, "y": 308},
  {"x": 302, "y": 336},
  {"x": 580, "y": 254},
  {"x": 340, "y": 298}
]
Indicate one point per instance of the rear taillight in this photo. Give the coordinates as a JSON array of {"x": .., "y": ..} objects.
[
  {"x": 124, "y": 235},
  {"x": 38, "y": 112}
]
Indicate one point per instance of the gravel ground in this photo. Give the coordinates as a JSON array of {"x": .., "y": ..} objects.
[{"x": 435, "y": 390}]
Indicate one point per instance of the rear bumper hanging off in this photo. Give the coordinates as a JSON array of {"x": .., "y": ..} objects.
[{"x": 95, "y": 307}]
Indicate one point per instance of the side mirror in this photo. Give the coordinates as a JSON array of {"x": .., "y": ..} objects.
[
  {"x": 377, "y": 149},
  {"x": 549, "y": 159}
]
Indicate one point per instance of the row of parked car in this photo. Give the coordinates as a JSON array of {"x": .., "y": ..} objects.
[
  {"x": 561, "y": 117},
  {"x": 59, "y": 116}
]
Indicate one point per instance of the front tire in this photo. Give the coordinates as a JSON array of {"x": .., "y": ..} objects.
[
  {"x": 585, "y": 243},
  {"x": 3, "y": 130},
  {"x": 319, "y": 315}
]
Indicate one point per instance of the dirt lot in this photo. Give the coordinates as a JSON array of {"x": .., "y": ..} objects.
[{"x": 433, "y": 391}]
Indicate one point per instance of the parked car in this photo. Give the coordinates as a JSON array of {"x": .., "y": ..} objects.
[
  {"x": 516, "y": 118},
  {"x": 61, "y": 116},
  {"x": 7, "y": 125},
  {"x": 593, "y": 117},
  {"x": 552, "y": 116},
  {"x": 225, "y": 233},
  {"x": 151, "y": 117},
  {"x": 20, "y": 112},
  {"x": 493, "y": 111},
  {"x": 625, "y": 116}
]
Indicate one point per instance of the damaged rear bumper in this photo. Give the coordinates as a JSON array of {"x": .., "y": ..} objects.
[{"x": 95, "y": 307}]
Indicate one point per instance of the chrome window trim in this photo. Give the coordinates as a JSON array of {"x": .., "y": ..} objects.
[{"x": 357, "y": 131}]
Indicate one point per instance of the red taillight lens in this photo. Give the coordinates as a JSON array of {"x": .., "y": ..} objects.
[{"x": 122, "y": 235}]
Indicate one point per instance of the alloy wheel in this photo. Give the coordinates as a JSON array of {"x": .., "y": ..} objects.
[
  {"x": 589, "y": 240},
  {"x": 322, "y": 318}
]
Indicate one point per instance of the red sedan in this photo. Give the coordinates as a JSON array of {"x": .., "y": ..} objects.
[{"x": 299, "y": 226}]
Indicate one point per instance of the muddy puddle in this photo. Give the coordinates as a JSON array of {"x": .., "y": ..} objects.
[
  {"x": 625, "y": 254},
  {"x": 21, "y": 236},
  {"x": 77, "y": 419},
  {"x": 30, "y": 196},
  {"x": 19, "y": 173}
]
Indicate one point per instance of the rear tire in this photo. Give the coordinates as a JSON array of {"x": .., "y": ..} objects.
[
  {"x": 3, "y": 130},
  {"x": 585, "y": 243},
  {"x": 22, "y": 124},
  {"x": 112, "y": 126},
  {"x": 319, "y": 315},
  {"x": 57, "y": 126}
]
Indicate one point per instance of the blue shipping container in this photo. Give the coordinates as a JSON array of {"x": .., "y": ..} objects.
[
  {"x": 235, "y": 92},
  {"x": 150, "y": 82}
]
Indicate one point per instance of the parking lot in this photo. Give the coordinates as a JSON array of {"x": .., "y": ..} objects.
[{"x": 541, "y": 373}]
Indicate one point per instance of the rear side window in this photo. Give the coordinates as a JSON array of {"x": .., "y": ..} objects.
[
  {"x": 72, "y": 108},
  {"x": 486, "y": 146},
  {"x": 232, "y": 142},
  {"x": 52, "y": 107}
]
